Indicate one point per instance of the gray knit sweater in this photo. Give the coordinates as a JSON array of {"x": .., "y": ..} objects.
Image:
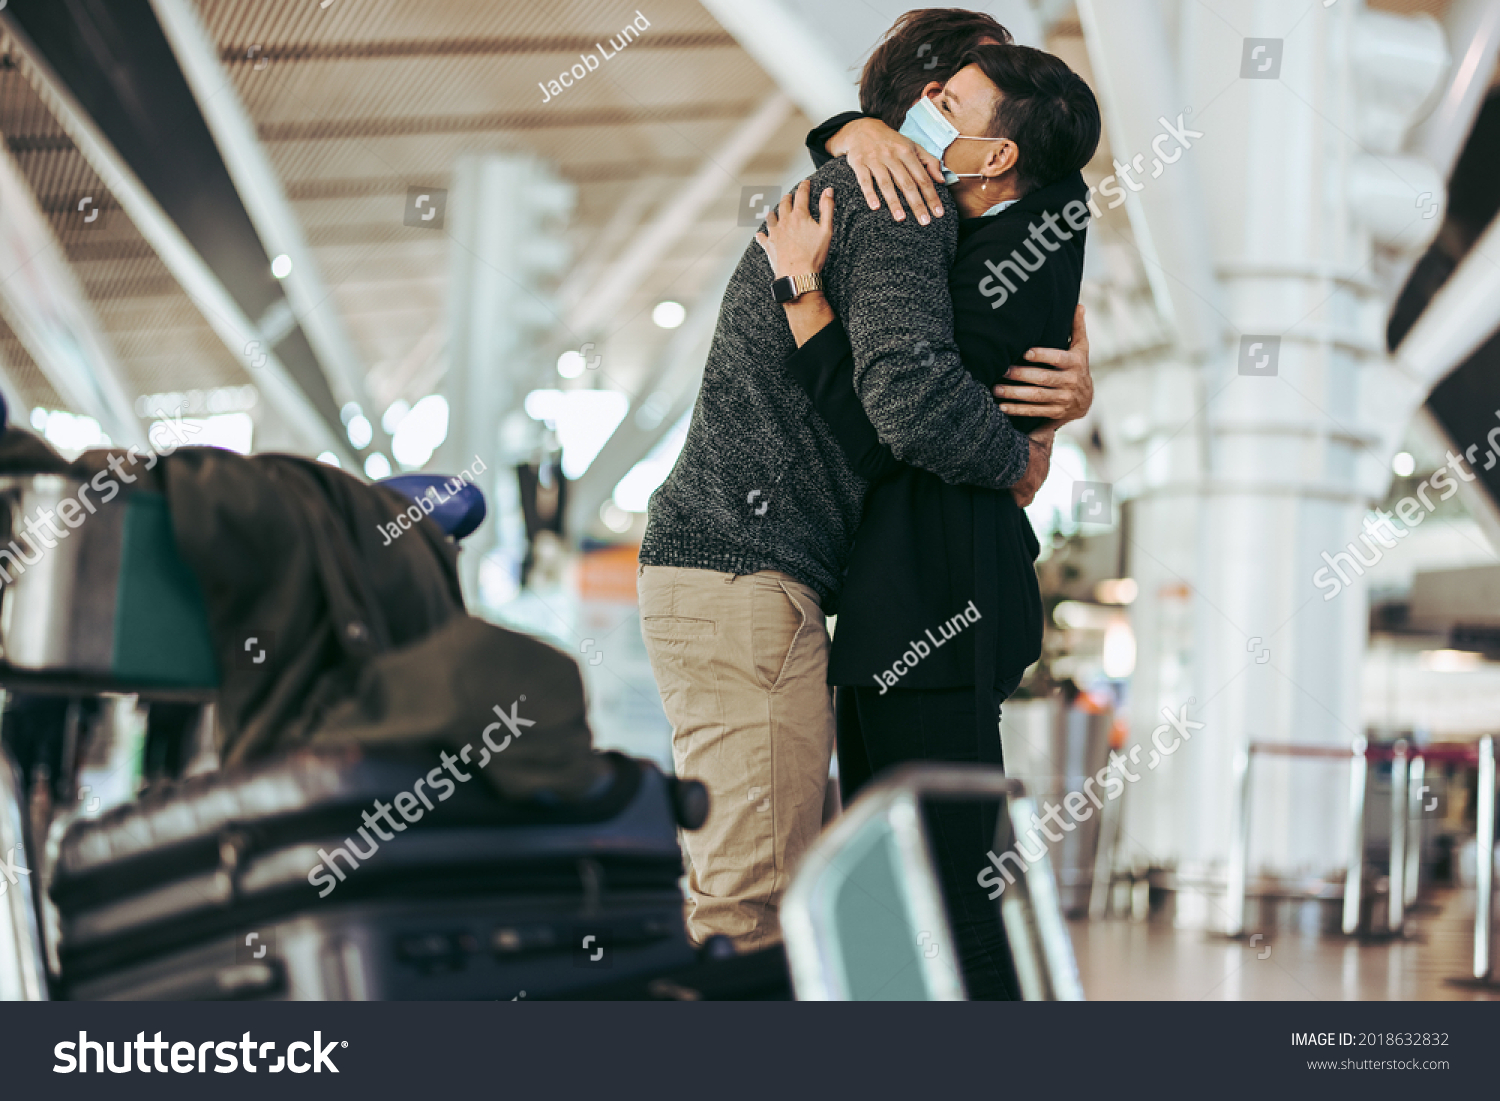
[{"x": 760, "y": 483}]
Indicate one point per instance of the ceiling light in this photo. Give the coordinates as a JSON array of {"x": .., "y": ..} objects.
[
  {"x": 361, "y": 431},
  {"x": 1119, "y": 648},
  {"x": 615, "y": 518},
  {"x": 420, "y": 432},
  {"x": 1116, "y": 590},
  {"x": 583, "y": 420},
  {"x": 377, "y": 466},
  {"x": 1403, "y": 464},
  {"x": 281, "y": 267},
  {"x": 669, "y": 314},
  {"x": 393, "y": 416}
]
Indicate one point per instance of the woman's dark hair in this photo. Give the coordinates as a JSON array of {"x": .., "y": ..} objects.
[
  {"x": 923, "y": 45},
  {"x": 1044, "y": 107}
]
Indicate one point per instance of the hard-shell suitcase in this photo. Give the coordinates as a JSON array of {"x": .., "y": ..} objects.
[{"x": 212, "y": 888}]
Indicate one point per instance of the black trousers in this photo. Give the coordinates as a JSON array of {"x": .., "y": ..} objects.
[{"x": 877, "y": 731}]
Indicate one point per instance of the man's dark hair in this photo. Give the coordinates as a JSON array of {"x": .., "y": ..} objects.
[
  {"x": 923, "y": 46},
  {"x": 1044, "y": 107}
]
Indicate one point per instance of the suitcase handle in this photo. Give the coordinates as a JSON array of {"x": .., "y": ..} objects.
[{"x": 457, "y": 505}]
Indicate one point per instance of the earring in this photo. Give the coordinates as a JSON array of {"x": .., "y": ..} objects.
[{"x": 986, "y": 185}]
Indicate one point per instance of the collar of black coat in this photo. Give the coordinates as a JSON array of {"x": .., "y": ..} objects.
[{"x": 1054, "y": 197}]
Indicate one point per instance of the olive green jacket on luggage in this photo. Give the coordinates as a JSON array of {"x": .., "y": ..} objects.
[{"x": 357, "y": 637}]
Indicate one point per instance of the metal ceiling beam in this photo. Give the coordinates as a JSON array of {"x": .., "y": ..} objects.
[
  {"x": 200, "y": 284},
  {"x": 809, "y": 64},
  {"x": 1138, "y": 84},
  {"x": 1462, "y": 316},
  {"x": 815, "y": 52},
  {"x": 1472, "y": 28},
  {"x": 467, "y": 46},
  {"x": 265, "y": 200},
  {"x": 625, "y": 220},
  {"x": 670, "y": 389},
  {"x": 544, "y": 118},
  {"x": 678, "y": 213},
  {"x": 45, "y": 305}
]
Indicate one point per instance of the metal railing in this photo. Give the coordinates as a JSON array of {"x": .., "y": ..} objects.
[
  {"x": 1408, "y": 776},
  {"x": 23, "y": 977},
  {"x": 1484, "y": 858},
  {"x": 1239, "y": 854}
]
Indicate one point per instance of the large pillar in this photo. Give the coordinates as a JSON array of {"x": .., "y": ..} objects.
[
  {"x": 1301, "y": 112},
  {"x": 504, "y": 215}
]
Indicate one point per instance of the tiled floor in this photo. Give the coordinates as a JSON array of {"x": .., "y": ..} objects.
[{"x": 1119, "y": 959}]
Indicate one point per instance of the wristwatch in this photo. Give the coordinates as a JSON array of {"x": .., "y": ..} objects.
[{"x": 790, "y": 287}]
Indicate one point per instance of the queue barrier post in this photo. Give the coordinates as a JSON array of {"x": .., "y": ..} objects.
[
  {"x": 1484, "y": 870},
  {"x": 1239, "y": 854},
  {"x": 1396, "y": 896},
  {"x": 1354, "y": 875},
  {"x": 1415, "y": 789}
]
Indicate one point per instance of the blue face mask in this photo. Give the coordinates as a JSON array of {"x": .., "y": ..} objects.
[{"x": 929, "y": 127}]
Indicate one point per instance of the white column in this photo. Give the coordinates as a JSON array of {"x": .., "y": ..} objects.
[
  {"x": 1303, "y": 188},
  {"x": 504, "y": 215}
]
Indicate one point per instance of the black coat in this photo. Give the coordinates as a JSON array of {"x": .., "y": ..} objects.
[{"x": 925, "y": 549}]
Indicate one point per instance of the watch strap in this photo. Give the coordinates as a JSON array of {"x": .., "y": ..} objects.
[{"x": 790, "y": 287}]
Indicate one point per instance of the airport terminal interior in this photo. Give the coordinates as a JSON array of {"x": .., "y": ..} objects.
[{"x": 476, "y": 251}]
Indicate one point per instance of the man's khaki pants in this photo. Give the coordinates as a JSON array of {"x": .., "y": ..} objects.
[{"x": 742, "y": 666}]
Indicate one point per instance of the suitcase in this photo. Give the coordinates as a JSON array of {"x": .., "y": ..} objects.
[{"x": 211, "y": 888}]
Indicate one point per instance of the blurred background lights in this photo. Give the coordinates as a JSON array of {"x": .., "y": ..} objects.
[
  {"x": 420, "y": 432},
  {"x": 1449, "y": 661},
  {"x": 669, "y": 314},
  {"x": 615, "y": 518},
  {"x": 395, "y": 413},
  {"x": 377, "y": 466},
  {"x": 281, "y": 267},
  {"x": 582, "y": 419},
  {"x": 330, "y": 458},
  {"x": 70, "y": 433},
  {"x": 1116, "y": 590},
  {"x": 571, "y": 364},
  {"x": 633, "y": 492},
  {"x": 231, "y": 431},
  {"x": 1119, "y": 648},
  {"x": 361, "y": 431},
  {"x": 1404, "y": 464}
]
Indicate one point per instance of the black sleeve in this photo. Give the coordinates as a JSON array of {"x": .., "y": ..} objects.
[
  {"x": 819, "y": 136},
  {"x": 824, "y": 367}
]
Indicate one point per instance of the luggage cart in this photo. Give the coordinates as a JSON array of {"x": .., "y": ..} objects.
[
  {"x": 151, "y": 899},
  {"x": 864, "y": 917}
]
